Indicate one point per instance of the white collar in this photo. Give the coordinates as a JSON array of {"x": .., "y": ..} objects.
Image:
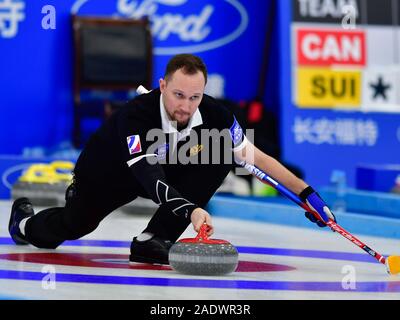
[{"x": 167, "y": 126}]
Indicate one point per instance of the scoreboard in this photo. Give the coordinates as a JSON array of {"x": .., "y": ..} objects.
[
  {"x": 346, "y": 54},
  {"x": 340, "y": 85}
]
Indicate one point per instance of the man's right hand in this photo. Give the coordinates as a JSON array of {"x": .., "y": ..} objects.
[{"x": 199, "y": 217}]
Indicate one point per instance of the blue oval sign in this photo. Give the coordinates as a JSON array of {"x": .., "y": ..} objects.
[{"x": 178, "y": 26}]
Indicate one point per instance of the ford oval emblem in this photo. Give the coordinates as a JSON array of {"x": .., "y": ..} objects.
[{"x": 177, "y": 26}]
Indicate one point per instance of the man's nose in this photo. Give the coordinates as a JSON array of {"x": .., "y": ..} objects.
[{"x": 186, "y": 105}]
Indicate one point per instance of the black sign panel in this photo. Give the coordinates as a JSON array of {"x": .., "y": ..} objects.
[
  {"x": 329, "y": 11},
  {"x": 381, "y": 12}
]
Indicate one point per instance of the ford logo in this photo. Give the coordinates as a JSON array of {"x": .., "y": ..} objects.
[
  {"x": 11, "y": 175},
  {"x": 185, "y": 26}
]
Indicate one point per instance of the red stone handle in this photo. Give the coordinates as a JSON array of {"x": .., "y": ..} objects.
[
  {"x": 202, "y": 233},
  {"x": 202, "y": 237}
]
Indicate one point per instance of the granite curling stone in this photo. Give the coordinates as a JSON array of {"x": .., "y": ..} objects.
[{"x": 203, "y": 256}]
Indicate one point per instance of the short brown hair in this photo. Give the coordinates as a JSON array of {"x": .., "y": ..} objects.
[{"x": 189, "y": 63}]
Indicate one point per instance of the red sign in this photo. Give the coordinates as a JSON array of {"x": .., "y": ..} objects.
[{"x": 330, "y": 47}]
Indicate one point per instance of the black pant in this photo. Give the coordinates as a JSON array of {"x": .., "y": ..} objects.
[{"x": 88, "y": 203}]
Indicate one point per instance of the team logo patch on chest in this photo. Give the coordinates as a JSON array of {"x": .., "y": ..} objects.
[
  {"x": 162, "y": 151},
  {"x": 134, "y": 144}
]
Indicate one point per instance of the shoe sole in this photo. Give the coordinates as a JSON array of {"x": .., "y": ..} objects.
[
  {"x": 139, "y": 259},
  {"x": 18, "y": 240}
]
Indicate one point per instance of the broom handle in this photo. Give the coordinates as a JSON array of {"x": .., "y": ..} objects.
[{"x": 262, "y": 176}]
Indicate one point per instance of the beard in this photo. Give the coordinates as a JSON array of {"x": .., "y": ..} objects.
[{"x": 182, "y": 119}]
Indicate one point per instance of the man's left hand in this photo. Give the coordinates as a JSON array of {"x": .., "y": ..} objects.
[{"x": 315, "y": 202}]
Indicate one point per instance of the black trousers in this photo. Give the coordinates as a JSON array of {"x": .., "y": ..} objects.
[{"x": 88, "y": 203}]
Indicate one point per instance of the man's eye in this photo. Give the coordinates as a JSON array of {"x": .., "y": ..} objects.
[
  {"x": 194, "y": 98},
  {"x": 179, "y": 95}
]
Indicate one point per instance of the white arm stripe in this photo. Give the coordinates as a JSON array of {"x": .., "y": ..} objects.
[
  {"x": 166, "y": 196},
  {"x": 184, "y": 205},
  {"x": 166, "y": 193},
  {"x": 241, "y": 145},
  {"x": 133, "y": 161}
]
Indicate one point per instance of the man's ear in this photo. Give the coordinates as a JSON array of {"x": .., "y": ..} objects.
[{"x": 163, "y": 84}]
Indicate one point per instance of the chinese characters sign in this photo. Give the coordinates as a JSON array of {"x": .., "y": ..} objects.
[
  {"x": 11, "y": 14},
  {"x": 342, "y": 131}
]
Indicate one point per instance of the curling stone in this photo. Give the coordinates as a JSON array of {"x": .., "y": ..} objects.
[
  {"x": 44, "y": 184},
  {"x": 203, "y": 256}
]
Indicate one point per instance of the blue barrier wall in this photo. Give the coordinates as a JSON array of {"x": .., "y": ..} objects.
[{"x": 285, "y": 213}]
